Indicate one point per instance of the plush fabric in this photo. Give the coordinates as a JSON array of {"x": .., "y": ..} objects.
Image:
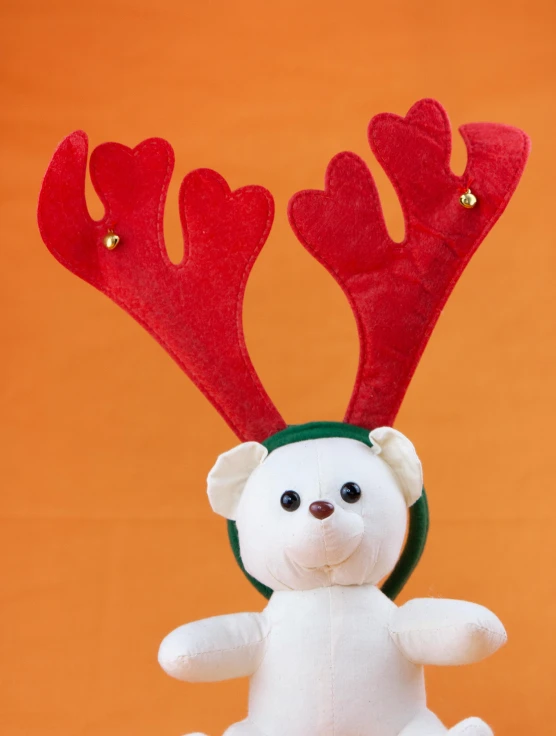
[
  {"x": 418, "y": 513},
  {"x": 283, "y": 550},
  {"x": 217, "y": 648},
  {"x": 398, "y": 452},
  {"x": 413, "y": 551},
  {"x": 231, "y": 472},
  {"x": 397, "y": 290},
  {"x": 446, "y": 632},
  {"x": 233, "y": 538},
  {"x": 193, "y": 309},
  {"x": 330, "y": 655}
]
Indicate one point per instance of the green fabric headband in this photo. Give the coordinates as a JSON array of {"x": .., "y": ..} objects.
[{"x": 418, "y": 513}]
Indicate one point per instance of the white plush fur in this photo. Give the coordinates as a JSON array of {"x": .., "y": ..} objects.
[{"x": 330, "y": 655}]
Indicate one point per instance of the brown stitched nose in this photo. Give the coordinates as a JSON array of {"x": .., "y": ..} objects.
[{"x": 321, "y": 509}]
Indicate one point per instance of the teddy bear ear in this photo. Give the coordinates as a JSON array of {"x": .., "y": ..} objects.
[
  {"x": 396, "y": 450},
  {"x": 227, "y": 479}
]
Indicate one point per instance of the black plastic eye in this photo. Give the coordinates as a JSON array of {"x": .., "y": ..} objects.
[
  {"x": 351, "y": 493},
  {"x": 290, "y": 501}
]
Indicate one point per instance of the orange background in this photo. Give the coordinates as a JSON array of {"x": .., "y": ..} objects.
[{"x": 107, "y": 540}]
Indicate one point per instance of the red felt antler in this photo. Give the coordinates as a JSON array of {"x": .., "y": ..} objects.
[
  {"x": 193, "y": 309},
  {"x": 397, "y": 290}
]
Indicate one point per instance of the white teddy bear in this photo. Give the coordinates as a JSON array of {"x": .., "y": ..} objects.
[{"x": 321, "y": 522}]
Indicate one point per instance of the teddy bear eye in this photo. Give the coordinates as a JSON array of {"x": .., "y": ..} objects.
[
  {"x": 290, "y": 501},
  {"x": 350, "y": 492}
]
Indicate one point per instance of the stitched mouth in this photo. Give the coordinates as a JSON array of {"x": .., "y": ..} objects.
[{"x": 327, "y": 566}]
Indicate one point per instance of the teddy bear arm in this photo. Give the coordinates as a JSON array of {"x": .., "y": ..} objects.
[
  {"x": 446, "y": 632},
  {"x": 217, "y": 648}
]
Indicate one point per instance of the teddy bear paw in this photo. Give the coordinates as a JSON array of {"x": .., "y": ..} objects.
[{"x": 471, "y": 727}]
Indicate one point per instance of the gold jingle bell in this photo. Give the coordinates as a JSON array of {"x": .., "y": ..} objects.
[
  {"x": 468, "y": 199},
  {"x": 111, "y": 240}
]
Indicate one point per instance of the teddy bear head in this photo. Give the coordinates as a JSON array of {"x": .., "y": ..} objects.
[{"x": 319, "y": 512}]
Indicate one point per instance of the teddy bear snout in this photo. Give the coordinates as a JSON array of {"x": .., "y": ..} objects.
[{"x": 321, "y": 509}]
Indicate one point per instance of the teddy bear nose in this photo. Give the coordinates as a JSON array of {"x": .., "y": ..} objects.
[{"x": 321, "y": 509}]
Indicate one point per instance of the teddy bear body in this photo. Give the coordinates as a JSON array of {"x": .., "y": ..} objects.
[{"x": 341, "y": 671}]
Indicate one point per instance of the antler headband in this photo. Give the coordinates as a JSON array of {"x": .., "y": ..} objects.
[{"x": 194, "y": 309}]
